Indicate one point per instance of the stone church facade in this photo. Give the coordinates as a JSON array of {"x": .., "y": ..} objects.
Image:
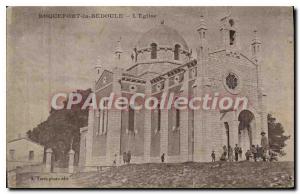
[{"x": 163, "y": 62}]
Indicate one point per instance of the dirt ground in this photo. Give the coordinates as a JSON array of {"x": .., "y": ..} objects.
[{"x": 183, "y": 175}]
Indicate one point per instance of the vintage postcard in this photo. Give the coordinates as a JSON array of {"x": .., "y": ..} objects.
[{"x": 150, "y": 97}]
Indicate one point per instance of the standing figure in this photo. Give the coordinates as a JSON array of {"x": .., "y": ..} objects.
[
  {"x": 254, "y": 152},
  {"x": 162, "y": 158},
  {"x": 247, "y": 154},
  {"x": 213, "y": 156},
  {"x": 115, "y": 160},
  {"x": 128, "y": 156},
  {"x": 236, "y": 152},
  {"x": 240, "y": 153},
  {"x": 230, "y": 154},
  {"x": 223, "y": 157},
  {"x": 258, "y": 152},
  {"x": 225, "y": 151},
  {"x": 124, "y": 157},
  {"x": 264, "y": 141}
]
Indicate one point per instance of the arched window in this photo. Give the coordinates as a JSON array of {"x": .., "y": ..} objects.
[
  {"x": 231, "y": 22},
  {"x": 176, "y": 52},
  {"x": 105, "y": 117},
  {"x": 131, "y": 119},
  {"x": 31, "y": 155},
  {"x": 177, "y": 117},
  {"x": 158, "y": 117},
  {"x": 232, "y": 37},
  {"x": 102, "y": 115},
  {"x": 100, "y": 122},
  {"x": 153, "y": 51}
]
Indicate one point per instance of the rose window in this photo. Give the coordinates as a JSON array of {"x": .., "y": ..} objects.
[{"x": 231, "y": 81}]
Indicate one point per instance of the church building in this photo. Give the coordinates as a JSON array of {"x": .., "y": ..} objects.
[{"x": 163, "y": 62}]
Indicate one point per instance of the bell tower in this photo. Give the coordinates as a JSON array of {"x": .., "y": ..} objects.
[
  {"x": 202, "y": 50},
  {"x": 200, "y": 150},
  {"x": 98, "y": 70},
  {"x": 118, "y": 51},
  {"x": 229, "y": 32},
  {"x": 256, "y": 47}
]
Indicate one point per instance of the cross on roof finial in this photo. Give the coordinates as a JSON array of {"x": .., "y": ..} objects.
[
  {"x": 118, "y": 47},
  {"x": 255, "y": 36},
  {"x": 228, "y": 10},
  {"x": 71, "y": 143},
  {"x": 203, "y": 12},
  {"x": 255, "y": 32}
]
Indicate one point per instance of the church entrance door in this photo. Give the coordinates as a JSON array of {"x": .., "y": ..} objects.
[{"x": 246, "y": 128}]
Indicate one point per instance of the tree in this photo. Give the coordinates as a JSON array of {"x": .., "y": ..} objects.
[
  {"x": 276, "y": 136},
  {"x": 60, "y": 128}
]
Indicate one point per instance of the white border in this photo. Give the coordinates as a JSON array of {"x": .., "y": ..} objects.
[{"x": 150, "y": 3}]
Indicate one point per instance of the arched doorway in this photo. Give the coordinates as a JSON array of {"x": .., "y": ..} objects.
[{"x": 246, "y": 129}]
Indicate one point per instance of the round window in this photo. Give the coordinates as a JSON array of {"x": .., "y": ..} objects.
[
  {"x": 231, "y": 81},
  {"x": 104, "y": 80},
  {"x": 132, "y": 88},
  {"x": 158, "y": 86},
  {"x": 177, "y": 79}
]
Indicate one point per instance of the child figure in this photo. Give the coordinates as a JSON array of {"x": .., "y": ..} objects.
[{"x": 115, "y": 160}]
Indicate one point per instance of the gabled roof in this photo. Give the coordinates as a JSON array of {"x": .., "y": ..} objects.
[
  {"x": 240, "y": 54},
  {"x": 25, "y": 138}
]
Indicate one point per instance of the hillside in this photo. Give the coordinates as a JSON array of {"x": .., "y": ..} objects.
[
  {"x": 187, "y": 175},
  {"x": 199, "y": 175}
]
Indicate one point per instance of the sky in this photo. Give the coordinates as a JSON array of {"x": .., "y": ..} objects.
[{"x": 46, "y": 56}]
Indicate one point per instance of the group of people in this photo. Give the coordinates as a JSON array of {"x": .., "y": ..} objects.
[
  {"x": 126, "y": 157},
  {"x": 229, "y": 154},
  {"x": 236, "y": 154},
  {"x": 262, "y": 151},
  {"x": 253, "y": 153},
  {"x": 257, "y": 152}
]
